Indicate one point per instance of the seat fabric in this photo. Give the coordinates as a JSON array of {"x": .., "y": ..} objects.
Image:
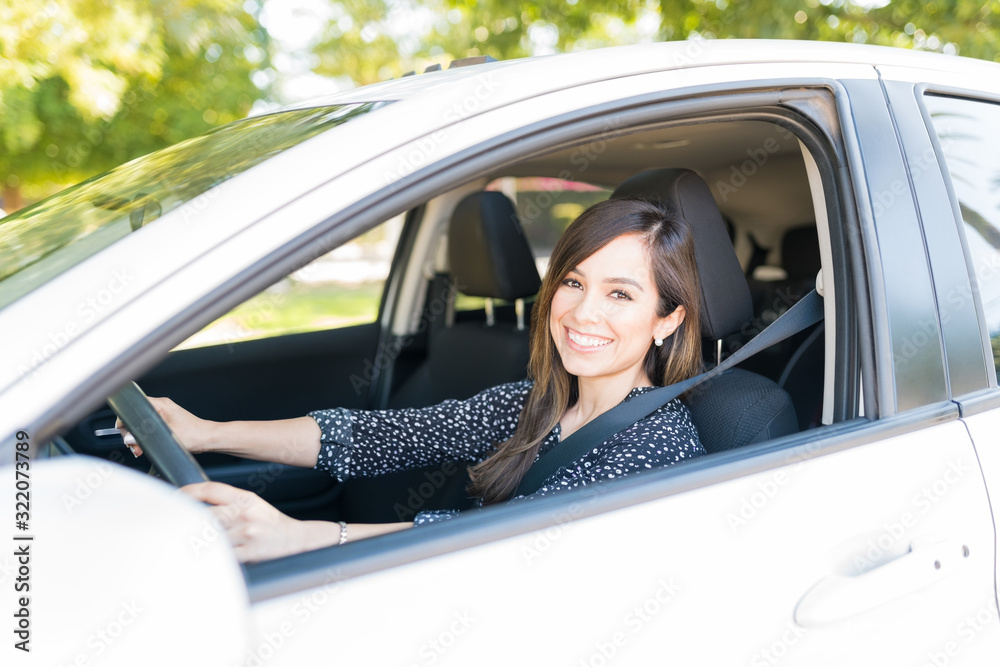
[{"x": 737, "y": 407}]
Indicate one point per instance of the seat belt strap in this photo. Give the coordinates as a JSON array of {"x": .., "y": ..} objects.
[{"x": 802, "y": 315}]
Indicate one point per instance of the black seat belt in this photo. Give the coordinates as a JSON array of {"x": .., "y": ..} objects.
[{"x": 805, "y": 313}]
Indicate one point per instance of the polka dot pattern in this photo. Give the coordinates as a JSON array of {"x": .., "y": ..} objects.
[{"x": 360, "y": 443}]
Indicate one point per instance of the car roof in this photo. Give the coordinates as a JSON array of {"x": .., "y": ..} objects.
[{"x": 566, "y": 70}]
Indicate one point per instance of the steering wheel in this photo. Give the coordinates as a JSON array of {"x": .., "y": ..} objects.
[{"x": 154, "y": 436}]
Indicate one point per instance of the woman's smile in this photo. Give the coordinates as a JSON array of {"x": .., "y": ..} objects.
[{"x": 582, "y": 342}]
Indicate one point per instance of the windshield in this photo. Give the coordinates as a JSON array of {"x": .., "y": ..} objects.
[{"x": 44, "y": 240}]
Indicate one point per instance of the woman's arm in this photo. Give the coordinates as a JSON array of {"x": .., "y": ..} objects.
[
  {"x": 258, "y": 531},
  {"x": 366, "y": 443},
  {"x": 291, "y": 441}
]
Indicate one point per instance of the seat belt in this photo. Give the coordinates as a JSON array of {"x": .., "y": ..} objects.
[{"x": 805, "y": 313}]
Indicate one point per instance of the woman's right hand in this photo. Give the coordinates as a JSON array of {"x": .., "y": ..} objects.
[{"x": 193, "y": 433}]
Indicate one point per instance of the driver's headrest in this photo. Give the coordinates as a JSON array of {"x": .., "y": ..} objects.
[
  {"x": 488, "y": 253},
  {"x": 725, "y": 298}
]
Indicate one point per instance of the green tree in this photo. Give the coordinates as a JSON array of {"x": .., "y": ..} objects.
[
  {"x": 88, "y": 84},
  {"x": 379, "y": 39}
]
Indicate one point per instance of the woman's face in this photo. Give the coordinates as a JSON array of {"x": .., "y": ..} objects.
[{"x": 603, "y": 317}]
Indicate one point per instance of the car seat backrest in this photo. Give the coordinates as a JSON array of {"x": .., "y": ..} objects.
[
  {"x": 487, "y": 251},
  {"x": 725, "y": 297},
  {"x": 489, "y": 257},
  {"x": 737, "y": 407}
]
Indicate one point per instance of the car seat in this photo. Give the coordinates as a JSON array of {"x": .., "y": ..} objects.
[
  {"x": 488, "y": 257},
  {"x": 738, "y": 407}
]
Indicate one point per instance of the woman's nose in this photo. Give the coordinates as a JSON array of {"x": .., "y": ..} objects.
[{"x": 589, "y": 309}]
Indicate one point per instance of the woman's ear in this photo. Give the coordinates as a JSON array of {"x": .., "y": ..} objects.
[{"x": 668, "y": 325}]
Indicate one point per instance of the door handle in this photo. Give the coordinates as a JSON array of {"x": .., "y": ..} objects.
[{"x": 836, "y": 597}]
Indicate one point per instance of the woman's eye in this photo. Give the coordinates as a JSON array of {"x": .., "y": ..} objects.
[
  {"x": 569, "y": 282},
  {"x": 621, "y": 295}
]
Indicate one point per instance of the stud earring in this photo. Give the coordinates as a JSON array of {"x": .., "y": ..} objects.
[{"x": 658, "y": 342}]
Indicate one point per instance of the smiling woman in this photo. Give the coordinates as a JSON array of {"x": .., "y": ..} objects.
[{"x": 617, "y": 313}]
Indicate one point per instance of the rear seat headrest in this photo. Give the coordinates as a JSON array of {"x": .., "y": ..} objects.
[
  {"x": 487, "y": 250},
  {"x": 725, "y": 298}
]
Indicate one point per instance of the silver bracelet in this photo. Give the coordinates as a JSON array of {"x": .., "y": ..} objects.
[{"x": 343, "y": 532}]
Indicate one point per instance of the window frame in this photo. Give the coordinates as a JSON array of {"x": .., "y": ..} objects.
[
  {"x": 921, "y": 91},
  {"x": 756, "y": 101}
]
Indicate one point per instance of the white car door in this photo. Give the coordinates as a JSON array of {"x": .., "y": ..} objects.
[{"x": 961, "y": 122}]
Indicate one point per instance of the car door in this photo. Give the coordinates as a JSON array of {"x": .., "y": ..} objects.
[
  {"x": 869, "y": 541},
  {"x": 956, "y": 121}
]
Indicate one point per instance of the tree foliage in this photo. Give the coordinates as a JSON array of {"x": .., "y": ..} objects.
[
  {"x": 88, "y": 84},
  {"x": 372, "y": 40}
]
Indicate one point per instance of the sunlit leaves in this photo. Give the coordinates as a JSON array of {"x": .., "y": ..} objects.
[
  {"x": 404, "y": 35},
  {"x": 88, "y": 84}
]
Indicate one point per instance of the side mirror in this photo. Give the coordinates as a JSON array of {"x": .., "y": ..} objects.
[{"x": 116, "y": 568}]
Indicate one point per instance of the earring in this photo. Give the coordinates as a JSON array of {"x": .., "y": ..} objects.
[{"x": 658, "y": 342}]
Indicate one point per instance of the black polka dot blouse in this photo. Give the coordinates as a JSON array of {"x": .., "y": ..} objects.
[{"x": 362, "y": 443}]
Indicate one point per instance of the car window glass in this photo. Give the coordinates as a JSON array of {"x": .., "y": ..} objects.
[
  {"x": 342, "y": 288},
  {"x": 545, "y": 207},
  {"x": 968, "y": 136},
  {"x": 44, "y": 240}
]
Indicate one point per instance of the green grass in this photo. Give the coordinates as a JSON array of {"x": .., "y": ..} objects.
[{"x": 291, "y": 307}]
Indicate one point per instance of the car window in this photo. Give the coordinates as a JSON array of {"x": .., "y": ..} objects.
[
  {"x": 967, "y": 133},
  {"x": 342, "y": 288},
  {"x": 545, "y": 207},
  {"x": 43, "y": 240}
]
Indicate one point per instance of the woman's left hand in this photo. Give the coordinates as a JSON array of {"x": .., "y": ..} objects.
[{"x": 257, "y": 530}]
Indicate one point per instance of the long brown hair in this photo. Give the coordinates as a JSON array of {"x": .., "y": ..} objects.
[{"x": 670, "y": 249}]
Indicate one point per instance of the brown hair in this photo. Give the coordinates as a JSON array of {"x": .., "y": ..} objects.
[{"x": 670, "y": 249}]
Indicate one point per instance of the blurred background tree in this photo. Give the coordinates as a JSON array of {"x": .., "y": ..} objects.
[
  {"x": 372, "y": 40},
  {"x": 88, "y": 84}
]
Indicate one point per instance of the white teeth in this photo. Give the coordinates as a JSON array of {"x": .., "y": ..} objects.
[{"x": 587, "y": 341}]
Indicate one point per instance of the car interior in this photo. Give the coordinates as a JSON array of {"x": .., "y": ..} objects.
[{"x": 456, "y": 309}]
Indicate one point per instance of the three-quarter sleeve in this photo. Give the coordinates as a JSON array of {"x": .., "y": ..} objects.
[{"x": 360, "y": 443}]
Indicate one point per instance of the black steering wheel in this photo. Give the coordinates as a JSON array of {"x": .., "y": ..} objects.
[{"x": 158, "y": 442}]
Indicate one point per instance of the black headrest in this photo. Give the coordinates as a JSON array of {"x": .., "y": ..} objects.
[
  {"x": 800, "y": 253},
  {"x": 488, "y": 253},
  {"x": 725, "y": 298}
]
